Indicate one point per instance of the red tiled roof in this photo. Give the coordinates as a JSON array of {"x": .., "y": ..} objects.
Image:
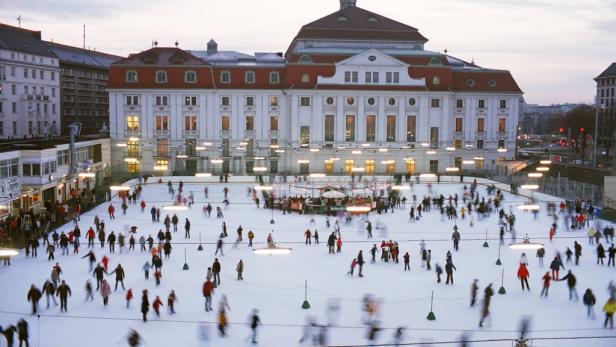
[
  {"x": 484, "y": 81},
  {"x": 162, "y": 56}
]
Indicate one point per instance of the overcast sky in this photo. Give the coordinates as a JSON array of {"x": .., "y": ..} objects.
[{"x": 554, "y": 48}]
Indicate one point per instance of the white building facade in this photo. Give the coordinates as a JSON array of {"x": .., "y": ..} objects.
[
  {"x": 29, "y": 85},
  {"x": 341, "y": 100}
]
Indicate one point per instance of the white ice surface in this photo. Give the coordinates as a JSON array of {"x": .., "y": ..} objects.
[{"x": 274, "y": 284}]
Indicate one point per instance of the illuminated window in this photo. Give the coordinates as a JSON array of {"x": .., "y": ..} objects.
[
  {"x": 410, "y": 167},
  {"x": 370, "y": 167},
  {"x": 391, "y": 128},
  {"x": 348, "y": 166},
  {"x": 502, "y": 125},
  {"x": 349, "y": 133},
  {"x": 481, "y": 124},
  {"x": 274, "y": 123},
  {"x": 459, "y": 123},
  {"x": 370, "y": 128},
  {"x": 329, "y": 167},
  {"x": 225, "y": 122},
  {"x": 411, "y": 128},
  {"x": 190, "y": 122},
  {"x": 329, "y": 127},
  {"x": 133, "y": 167},
  {"x": 250, "y": 123},
  {"x": 161, "y": 122},
  {"x": 132, "y": 148},
  {"x": 132, "y": 122}
]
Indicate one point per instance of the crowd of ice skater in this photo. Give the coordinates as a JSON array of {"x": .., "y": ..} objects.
[{"x": 461, "y": 210}]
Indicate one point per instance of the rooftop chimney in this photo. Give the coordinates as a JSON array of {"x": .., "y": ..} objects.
[
  {"x": 347, "y": 3},
  {"x": 212, "y": 47}
]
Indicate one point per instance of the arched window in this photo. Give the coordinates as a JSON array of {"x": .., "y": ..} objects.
[
  {"x": 434, "y": 61},
  {"x": 304, "y": 59},
  {"x": 161, "y": 76},
  {"x": 190, "y": 77},
  {"x": 131, "y": 76}
]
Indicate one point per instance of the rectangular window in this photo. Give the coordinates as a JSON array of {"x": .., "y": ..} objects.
[
  {"x": 501, "y": 143},
  {"x": 502, "y": 125},
  {"x": 132, "y": 100},
  {"x": 30, "y": 127},
  {"x": 396, "y": 77},
  {"x": 14, "y": 128},
  {"x": 410, "y": 167},
  {"x": 459, "y": 103},
  {"x": 132, "y": 148},
  {"x": 370, "y": 128},
  {"x": 132, "y": 122},
  {"x": 347, "y": 77},
  {"x": 190, "y": 122},
  {"x": 250, "y": 123},
  {"x": 304, "y": 135},
  {"x": 411, "y": 128},
  {"x": 435, "y": 103},
  {"x": 190, "y": 101},
  {"x": 274, "y": 123},
  {"x": 329, "y": 127},
  {"x": 225, "y": 77},
  {"x": 13, "y": 89},
  {"x": 304, "y": 101},
  {"x": 459, "y": 123},
  {"x": 225, "y": 101},
  {"x": 457, "y": 144},
  {"x": 225, "y": 122},
  {"x": 53, "y": 75},
  {"x": 161, "y": 100},
  {"x": 388, "y": 77},
  {"x": 481, "y": 104},
  {"x": 133, "y": 167},
  {"x": 434, "y": 166},
  {"x": 162, "y": 147},
  {"x": 25, "y": 73},
  {"x": 273, "y": 100},
  {"x": 375, "y": 77},
  {"x": 36, "y": 169},
  {"x": 481, "y": 125},
  {"x": 434, "y": 138},
  {"x": 391, "y": 128},
  {"x": 250, "y": 101},
  {"x": 354, "y": 76},
  {"x": 503, "y": 104},
  {"x": 479, "y": 144},
  {"x": 14, "y": 107},
  {"x": 329, "y": 167},
  {"x": 1, "y": 127},
  {"x": 370, "y": 166},
  {"x": 274, "y": 77},
  {"x": 349, "y": 129},
  {"x": 392, "y": 77},
  {"x": 348, "y": 166}
]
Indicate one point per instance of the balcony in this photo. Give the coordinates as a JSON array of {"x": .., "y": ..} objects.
[
  {"x": 191, "y": 133},
  {"x": 480, "y": 134},
  {"x": 161, "y": 133},
  {"x": 133, "y": 132}
]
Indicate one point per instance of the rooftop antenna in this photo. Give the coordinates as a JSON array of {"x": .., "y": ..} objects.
[
  {"x": 84, "y": 37},
  {"x": 19, "y": 20}
]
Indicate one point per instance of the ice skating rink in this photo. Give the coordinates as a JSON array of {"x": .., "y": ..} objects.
[{"x": 275, "y": 284}]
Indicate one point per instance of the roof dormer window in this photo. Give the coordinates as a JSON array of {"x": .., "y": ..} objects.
[
  {"x": 372, "y": 19},
  {"x": 161, "y": 76},
  {"x": 190, "y": 77},
  {"x": 434, "y": 61},
  {"x": 304, "y": 59},
  {"x": 342, "y": 18},
  {"x": 131, "y": 76},
  {"x": 249, "y": 77}
]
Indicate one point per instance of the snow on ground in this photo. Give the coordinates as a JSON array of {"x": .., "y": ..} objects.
[{"x": 275, "y": 284}]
